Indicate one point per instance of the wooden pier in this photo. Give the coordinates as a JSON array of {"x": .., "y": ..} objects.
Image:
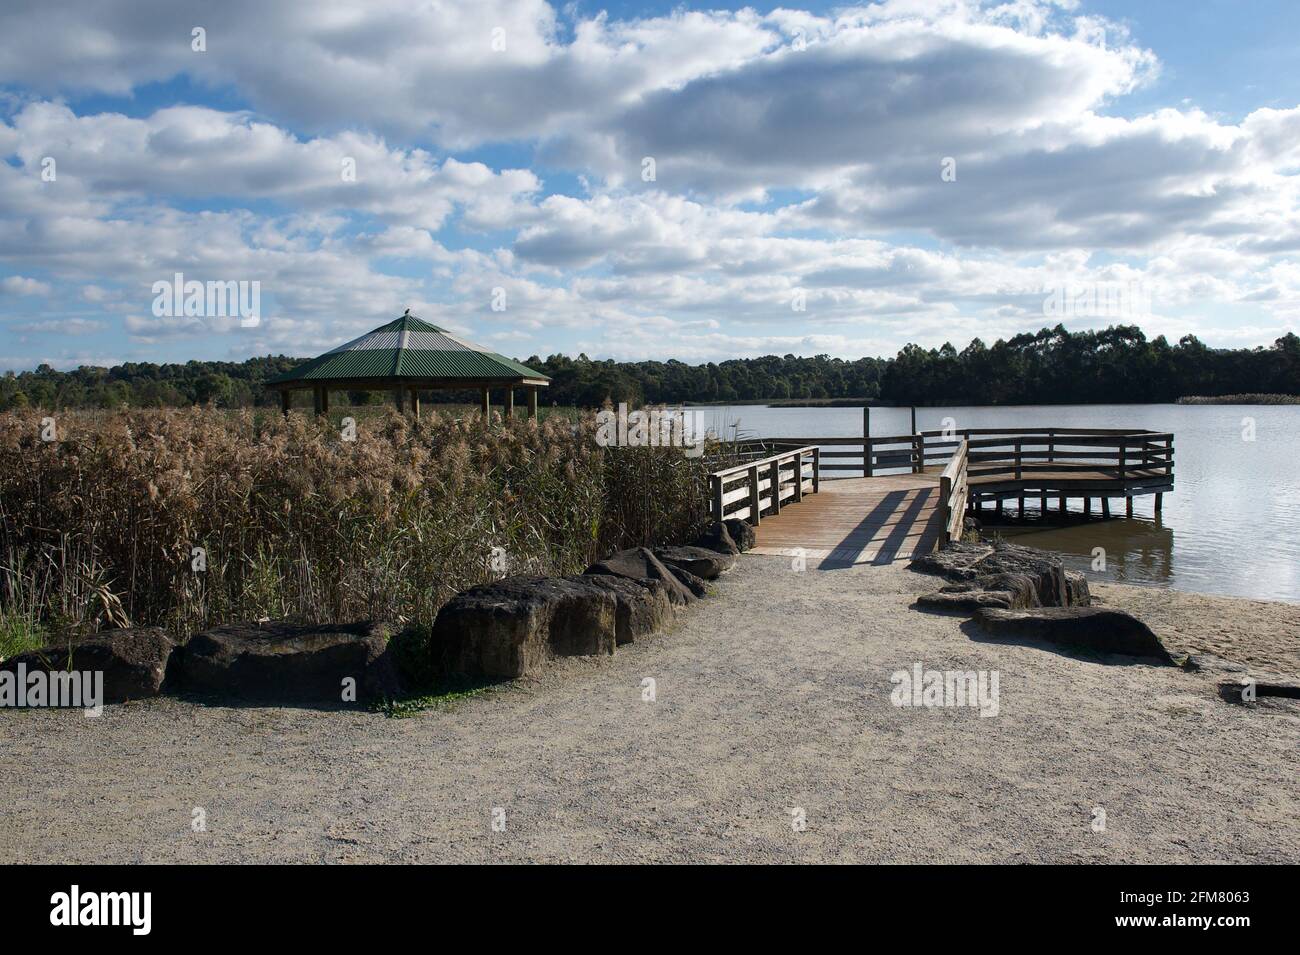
[{"x": 914, "y": 491}]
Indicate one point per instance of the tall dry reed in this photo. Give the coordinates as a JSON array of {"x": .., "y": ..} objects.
[{"x": 189, "y": 518}]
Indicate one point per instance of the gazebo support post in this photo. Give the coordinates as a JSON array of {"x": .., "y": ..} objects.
[
  {"x": 510, "y": 402},
  {"x": 284, "y": 402},
  {"x": 398, "y": 399},
  {"x": 485, "y": 403},
  {"x": 532, "y": 403},
  {"x": 415, "y": 404},
  {"x": 324, "y": 399},
  {"x": 315, "y": 399}
]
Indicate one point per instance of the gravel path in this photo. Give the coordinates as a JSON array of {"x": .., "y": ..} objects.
[{"x": 772, "y": 696}]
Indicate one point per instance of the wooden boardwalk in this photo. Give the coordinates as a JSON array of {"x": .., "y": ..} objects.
[{"x": 875, "y": 520}]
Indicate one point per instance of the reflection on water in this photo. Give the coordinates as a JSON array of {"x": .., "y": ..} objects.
[
  {"x": 1132, "y": 551},
  {"x": 1234, "y": 510}
]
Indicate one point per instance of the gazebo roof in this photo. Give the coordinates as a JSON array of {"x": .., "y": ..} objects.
[{"x": 410, "y": 348}]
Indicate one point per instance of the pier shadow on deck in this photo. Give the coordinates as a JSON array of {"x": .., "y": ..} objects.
[{"x": 852, "y": 521}]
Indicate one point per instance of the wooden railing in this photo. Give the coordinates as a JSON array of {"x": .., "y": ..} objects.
[
  {"x": 953, "y": 492},
  {"x": 1121, "y": 450},
  {"x": 748, "y": 490}
]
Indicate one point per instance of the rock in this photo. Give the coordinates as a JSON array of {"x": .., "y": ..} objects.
[
  {"x": 742, "y": 534},
  {"x": 291, "y": 662},
  {"x": 699, "y": 561},
  {"x": 134, "y": 661},
  {"x": 695, "y": 585},
  {"x": 639, "y": 563},
  {"x": 956, "y": 561},
  {"x": 1099, "y": 629},
  {"x": 717, "y": 538},
  {"x": 999, "y": 563},
  {"x": 643, "y": 606},
  {"x": 1008, "y": 591},
  {"x": 510, "y": 628}
]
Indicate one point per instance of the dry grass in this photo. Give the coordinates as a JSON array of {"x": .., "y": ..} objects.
[{"x": 99, "y": 527}]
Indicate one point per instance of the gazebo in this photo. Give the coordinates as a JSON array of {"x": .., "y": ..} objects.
[{"x": 408, "y": 356}]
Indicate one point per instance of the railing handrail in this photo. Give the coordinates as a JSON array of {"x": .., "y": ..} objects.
[
  {"x": 727, "y": 472},
  {"x": 953, "y": 489}
]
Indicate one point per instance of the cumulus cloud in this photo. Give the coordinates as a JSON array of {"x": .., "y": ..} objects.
[{"x": 797, "y": 157}]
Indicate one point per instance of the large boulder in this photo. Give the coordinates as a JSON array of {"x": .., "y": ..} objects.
[
  {"x": 134, "y": 661},
  {"x": 1007, "y": 591},
  {"x": 291, "y": 662},
  {"x": 717, "y": 538},
  {"x": 642, "y": 607},
  {"x": 1004, "y": 570},
  {"x": 1098, "y": 629},
  {"x": 699, "y": 561},
  {"x": 695, "y": 585},
  {"x": 640, "y": 563},
  {"x": 511, "y": 627},
  {"x": 742, "y": 533}
]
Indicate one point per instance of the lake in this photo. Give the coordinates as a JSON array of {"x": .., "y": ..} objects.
[{"x": 1231, "y": 525}]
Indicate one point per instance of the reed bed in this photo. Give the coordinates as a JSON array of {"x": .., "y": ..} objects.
[{"x": 186, "y": 519}]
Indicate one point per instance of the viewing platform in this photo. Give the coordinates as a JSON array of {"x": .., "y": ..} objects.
[{"x": 911, "y": 493}]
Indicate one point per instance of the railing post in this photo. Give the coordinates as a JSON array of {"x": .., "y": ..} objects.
[
  {"x": 798, "y": 476},
  {"x": 866, "y": 441},
  {"x": 774, "y": 478},
  {"x": 753, "y": 495},
  {"x": 1122, "y": 460},
  {"x": 817, "y": 466},
  {"x": 1019, "y": 463},
  {"x": 918, "y": 450},
  {"x": 715, "y": 483},
  {"x": 945, "y": 504}
]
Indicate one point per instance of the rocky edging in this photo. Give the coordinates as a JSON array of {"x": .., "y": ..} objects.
[{"x": 505, "y": 629}]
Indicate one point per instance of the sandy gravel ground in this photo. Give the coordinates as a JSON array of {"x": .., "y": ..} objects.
[{"x": 771, "y": 696}]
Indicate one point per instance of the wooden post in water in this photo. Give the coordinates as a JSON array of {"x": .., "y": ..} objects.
[
  {"x": 1060, "y": 503},
  {"x": 1105, "y": 508},
  {"x": 1087, "y": 507},
  {"x": 866, "y": 444},
  {"x": 918, "y": 451},
  {"x": 1042, "y": 506},
  {"x": 1160, "y": 503},
  {"x": 1128, "y": 505}
]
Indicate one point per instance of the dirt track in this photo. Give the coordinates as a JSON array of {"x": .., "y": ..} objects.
[{"x": 773, "y": 695}]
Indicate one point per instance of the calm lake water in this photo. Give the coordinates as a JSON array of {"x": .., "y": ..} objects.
[{"x": 1231, "y": 525}]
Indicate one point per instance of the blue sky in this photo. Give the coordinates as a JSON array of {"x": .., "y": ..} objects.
[{"x": 826, "y": 179}]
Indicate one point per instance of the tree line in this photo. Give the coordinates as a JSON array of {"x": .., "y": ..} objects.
[{"x": 1052, "y": 366}]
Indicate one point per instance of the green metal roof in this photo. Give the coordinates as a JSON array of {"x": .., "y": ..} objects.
[{"x": 408, "y": 348}]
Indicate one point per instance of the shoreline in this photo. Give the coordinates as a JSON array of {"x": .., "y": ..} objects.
[{"x": 774, "y": 693}]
